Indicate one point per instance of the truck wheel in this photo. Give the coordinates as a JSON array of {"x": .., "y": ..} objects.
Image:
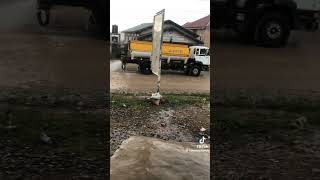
[
  {"x": 195, "y": 71},
  {"x": 43, "y": 17},
  {"x": 143, "y": 69},
  {"x": 123, "y": 66},
  {"x": 140, "y": 68},
  {"x": 273, "y": 30},
  {"x": 148, "y": 71}
]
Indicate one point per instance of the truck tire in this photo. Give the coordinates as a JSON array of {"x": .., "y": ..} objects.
[
  {"x": 123, "y": 66},
  {"x": 149, "y": 71},
  {"x": 43, "y": 17},
  {"x": 195, "y": 70},
  {"x": 272, "y": 30},
  {"x": 143, "y": 69}
]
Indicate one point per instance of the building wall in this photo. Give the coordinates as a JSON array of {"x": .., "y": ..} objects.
[
  {"x": 204, "y": 35},
  {"x": 125, "y": 37},
  {"x": 176, "y": 37}
]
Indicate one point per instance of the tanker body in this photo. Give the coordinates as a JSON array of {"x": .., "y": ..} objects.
[{"x": 192, "y": 60}]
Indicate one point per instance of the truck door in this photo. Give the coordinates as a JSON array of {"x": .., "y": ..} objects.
[{"x": 203, "y": 56}]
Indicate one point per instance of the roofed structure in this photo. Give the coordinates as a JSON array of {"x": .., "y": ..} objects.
[
  {"x": 172, "y": 33},
  {"x": 201, "y": 23}
]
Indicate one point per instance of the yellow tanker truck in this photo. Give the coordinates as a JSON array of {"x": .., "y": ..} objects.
[{"x": 192, "y": 60}]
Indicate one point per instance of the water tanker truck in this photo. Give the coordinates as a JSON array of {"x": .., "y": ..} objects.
[{"x": 191, "y": 60}]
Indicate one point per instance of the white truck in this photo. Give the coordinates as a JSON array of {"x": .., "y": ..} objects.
[{"x": 266, "y": 22}]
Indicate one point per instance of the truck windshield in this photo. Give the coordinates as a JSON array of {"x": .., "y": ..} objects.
[{"x": 203, "y": 52}]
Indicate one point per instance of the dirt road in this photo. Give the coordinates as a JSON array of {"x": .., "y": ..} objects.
[
  {"x": 241, "y": 65},
  {"x": 65, "y": 54},
  {"x": 132, "y": 80}
]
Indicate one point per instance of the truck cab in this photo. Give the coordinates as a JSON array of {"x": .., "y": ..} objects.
[{"x": 200, "y": 54}]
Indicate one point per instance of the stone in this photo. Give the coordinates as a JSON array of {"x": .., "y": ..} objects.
[{"x": 45, "y": 138}]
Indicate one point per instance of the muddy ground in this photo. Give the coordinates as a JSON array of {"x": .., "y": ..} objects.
[
  {"x": 241, "y": 65},
  {"x": 51, "y": 136},
  {"x": 131, "y": 80},
  {"x": 260, "y": 95},
  {"x": 264, "y": 143},
  {"x": 66, "y": 54},
  {"x": 178, "y": 119},
  {"x": 53, "y": 83}
]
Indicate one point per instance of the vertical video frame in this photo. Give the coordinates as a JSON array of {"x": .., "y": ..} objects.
[{"x": 160, "y": 89}]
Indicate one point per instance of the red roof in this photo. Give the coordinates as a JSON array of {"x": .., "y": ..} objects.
[{"x": 198, "y": 24}]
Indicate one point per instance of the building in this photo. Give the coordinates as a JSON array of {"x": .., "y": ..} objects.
[
  {"x": 202, "y": 28},
  {"x": 172, "y": 33},
  {"x": 115, "y": 42}
]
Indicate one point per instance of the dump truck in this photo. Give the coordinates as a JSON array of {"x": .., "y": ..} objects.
[
  {"x": 266, "y": 22},
  {"x": 181, "y": 57},
  {"x": 98, "y": 8}
]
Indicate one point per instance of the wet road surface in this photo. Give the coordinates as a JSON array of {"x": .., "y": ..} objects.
[
  {"x": 130, "y": 80},
  {"x": 241, "y": 65},
  {"x": 65, "y": 54}
]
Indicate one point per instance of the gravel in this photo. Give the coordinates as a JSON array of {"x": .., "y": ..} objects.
[{"x": 181, "y": 124}]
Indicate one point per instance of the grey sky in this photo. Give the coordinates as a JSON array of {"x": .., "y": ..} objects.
[{"x": 129, "y": 13}]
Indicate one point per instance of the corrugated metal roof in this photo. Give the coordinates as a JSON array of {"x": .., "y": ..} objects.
[
  {"x": 180, "y": 30},
  {"x": 139, "y": 27},
  {"x": 149, "y": 25},
  {"x": 200, "y": 23},
  {"x": 186, "y": 32}
]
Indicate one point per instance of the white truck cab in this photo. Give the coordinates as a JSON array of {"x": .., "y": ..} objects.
[{"x": 200, "y": 54}]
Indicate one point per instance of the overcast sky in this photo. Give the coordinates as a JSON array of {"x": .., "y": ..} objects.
[{"x": 129, "y": 13}]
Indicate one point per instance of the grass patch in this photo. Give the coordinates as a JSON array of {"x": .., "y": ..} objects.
[{"x": 138, "y": 103}]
